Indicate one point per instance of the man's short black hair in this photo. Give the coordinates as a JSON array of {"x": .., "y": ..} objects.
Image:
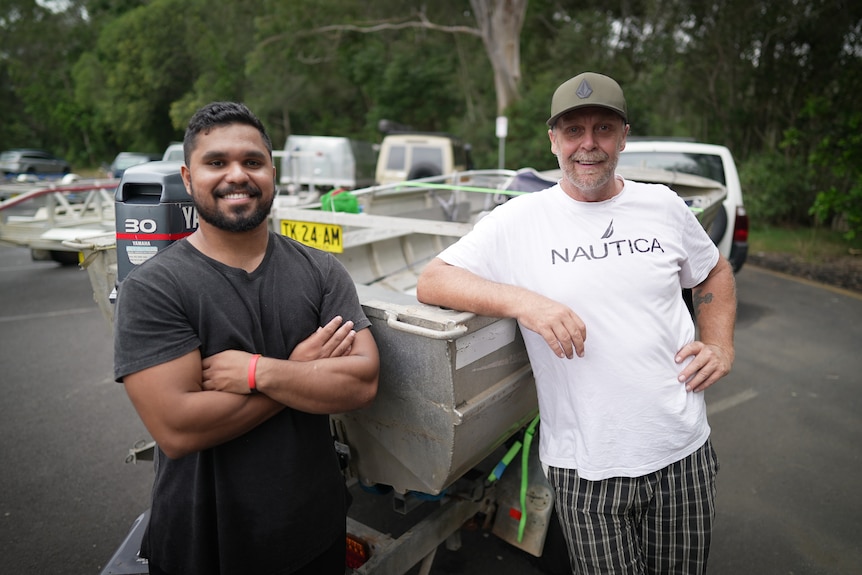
[{"x": 217, "y": 114}]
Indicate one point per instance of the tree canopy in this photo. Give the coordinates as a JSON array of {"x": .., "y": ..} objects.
[{"x": 775, "y": 81}]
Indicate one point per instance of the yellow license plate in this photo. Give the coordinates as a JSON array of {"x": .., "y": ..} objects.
[{"x": 326, "y": 237}]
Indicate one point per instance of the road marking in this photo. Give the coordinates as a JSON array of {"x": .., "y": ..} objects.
[
  {"x": 49, "y": 314},
  {"x": 28, "y": 267},
  {"x": 732, "y": 401}
]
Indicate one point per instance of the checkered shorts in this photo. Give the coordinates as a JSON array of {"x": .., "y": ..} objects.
[{"x": 657, "y": 523}]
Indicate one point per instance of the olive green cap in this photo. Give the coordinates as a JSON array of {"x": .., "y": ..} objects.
[{"x": 588, "y": 89}]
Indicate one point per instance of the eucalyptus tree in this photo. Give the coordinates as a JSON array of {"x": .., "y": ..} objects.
[
  {"x": 498, "y": 24},
  {"x": 339, "y": 65}
]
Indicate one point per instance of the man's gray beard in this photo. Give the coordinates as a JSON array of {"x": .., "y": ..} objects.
[{"x": 587, "y": 185}]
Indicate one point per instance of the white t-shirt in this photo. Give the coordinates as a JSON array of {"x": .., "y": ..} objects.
[{"x": 620, "y": 265}]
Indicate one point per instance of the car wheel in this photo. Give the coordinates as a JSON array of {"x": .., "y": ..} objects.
[{"x": 65, "y": 258}]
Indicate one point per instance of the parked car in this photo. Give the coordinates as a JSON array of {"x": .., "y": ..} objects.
[
  {"x": 174, "y": 153},
  {"x": 127, "y": 160},
  {"x": 26, "y": 161},
  {"x": 730, "y": 228}
]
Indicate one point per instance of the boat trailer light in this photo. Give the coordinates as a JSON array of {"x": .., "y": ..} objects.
[{"x": 358, "y": 551}]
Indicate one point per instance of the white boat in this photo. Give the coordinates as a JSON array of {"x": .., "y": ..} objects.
[
  {"x": 453, "y": 385},
  {"x": 43, "y": 217}
]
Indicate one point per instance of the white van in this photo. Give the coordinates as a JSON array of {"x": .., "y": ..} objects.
[{"x": 323, "y": 163}]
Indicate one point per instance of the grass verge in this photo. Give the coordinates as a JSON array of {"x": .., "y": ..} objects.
[{"x": 809, "y": 244}]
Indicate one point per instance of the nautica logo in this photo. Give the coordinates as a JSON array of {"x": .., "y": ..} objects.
[
  {"x": 608, "y": 248},
  {"x": 608, "y": 232}
]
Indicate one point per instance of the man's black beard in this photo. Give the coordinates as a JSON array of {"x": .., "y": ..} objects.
[{"x": 238, "y": 223}]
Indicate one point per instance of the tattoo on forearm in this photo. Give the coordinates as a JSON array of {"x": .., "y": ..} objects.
[{"x": 698, "y": 298}]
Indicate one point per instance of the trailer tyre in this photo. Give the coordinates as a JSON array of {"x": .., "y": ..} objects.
[{"x": 65, "y": 258}]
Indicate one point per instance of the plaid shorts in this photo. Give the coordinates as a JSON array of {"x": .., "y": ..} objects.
[{"x": 657, "y": 523}]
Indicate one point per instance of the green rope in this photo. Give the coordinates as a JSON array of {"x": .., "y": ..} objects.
[
  {"x": 504, "y": 463},
  {"x": 525, "y": 462},
  {"x": 461, "y": 188}
]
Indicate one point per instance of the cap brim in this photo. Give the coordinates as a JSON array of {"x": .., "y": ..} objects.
[{"x": 553, "y": 119}]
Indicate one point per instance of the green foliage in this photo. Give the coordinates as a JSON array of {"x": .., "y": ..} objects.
[
  {"x": 38, "y": 48},
  {"x": 841, "y": 154},
  {"x": 844, "y": 205},
  {"x": 777, "y": 82},
  {"x": 778, "y": 189},
  {"x": 417, "y": 84},
  {"x": 527, "y": 143},
  {"x": 139, "y": 67}
]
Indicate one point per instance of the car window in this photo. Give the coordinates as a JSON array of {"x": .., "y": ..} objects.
[
  {"x": 174, "y": 154},
  {"x": 395, "y": 161},
  {"x": 427, "y": 156},
  {"x": 706, "y": 165},
  {"x": 129, "y": 161}
]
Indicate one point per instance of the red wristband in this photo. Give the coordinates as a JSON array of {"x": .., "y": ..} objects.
[{"x": 252, "y": 366}]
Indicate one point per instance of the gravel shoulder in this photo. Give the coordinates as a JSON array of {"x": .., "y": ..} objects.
[{"x": 843, "y": 272}]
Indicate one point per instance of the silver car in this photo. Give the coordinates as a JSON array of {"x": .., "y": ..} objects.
[
  {"x": 32, "y": 162},
  {"x": 127, "y": 160}
]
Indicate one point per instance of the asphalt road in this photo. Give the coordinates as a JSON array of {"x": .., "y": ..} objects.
[
  {"x": 787, "y": 425},
  {"x": 67, "y": 498}
]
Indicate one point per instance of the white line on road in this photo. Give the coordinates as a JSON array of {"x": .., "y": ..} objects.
[
  {"x": 28, "y": 267},
  {"x": 732, "y": 401},
  {"x": 47, "y": 314}
]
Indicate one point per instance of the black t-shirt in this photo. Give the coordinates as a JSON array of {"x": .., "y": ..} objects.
[{"x": 273, "y": 498}]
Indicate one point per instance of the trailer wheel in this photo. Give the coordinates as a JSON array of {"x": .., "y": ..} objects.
[
  {"x": 65, "y": 258},
  {"x": 555, "y": 553}
]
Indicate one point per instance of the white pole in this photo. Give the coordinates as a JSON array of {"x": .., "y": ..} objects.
[{"x": 502, "y": 130}]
